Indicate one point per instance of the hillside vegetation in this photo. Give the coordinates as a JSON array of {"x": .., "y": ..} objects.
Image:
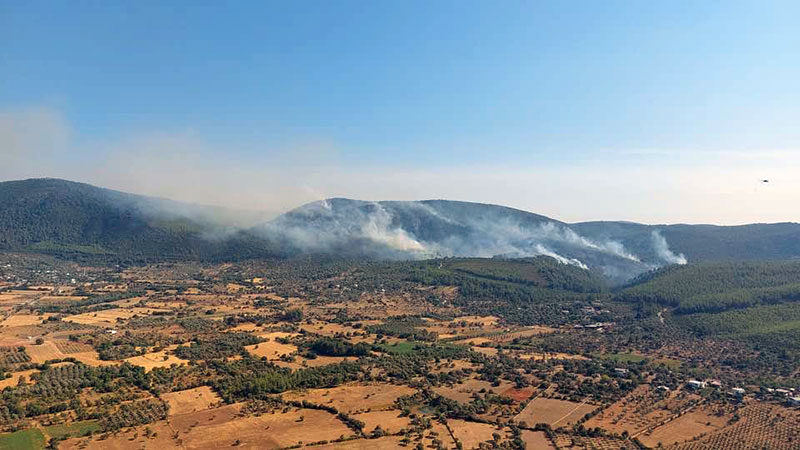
[
  {"x": 715, "y": 287},
  {"x": 753, "y": 303},
  {"x": 83, "y": 222}
]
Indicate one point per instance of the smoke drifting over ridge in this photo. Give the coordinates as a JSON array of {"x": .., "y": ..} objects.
[
  {"x": 662, "y": 250},
  {"x": 438, "y": 228}
]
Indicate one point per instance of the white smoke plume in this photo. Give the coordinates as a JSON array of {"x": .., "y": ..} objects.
[
  {"x": 418, "y": 230},
  {"x": 542, "y": 250},
  {"x": 378, "y": 228},
  {"x": 662, "y": 250},
  {"x": 556, "y": 232}
]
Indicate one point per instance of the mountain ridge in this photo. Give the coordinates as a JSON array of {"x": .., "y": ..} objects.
[{"x": 77, "y": 219}]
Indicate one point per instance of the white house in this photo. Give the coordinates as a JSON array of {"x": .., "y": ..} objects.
[{"x": 696, "y": 384}]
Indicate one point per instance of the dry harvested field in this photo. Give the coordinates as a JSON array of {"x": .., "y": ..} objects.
[
  {"x": 556, "y": 413},
  {"x": 384, "y": 443},
  {"x": 50, "y": 350},
  {"x": 571, "y": 442},
  {"x": 354, "y": 398},
  {"x": 161, "y": 358},
  {"x": 301, "y": 363},
  {"x": 110, "y": 316},
  {"x": 471, "y": 434},
  {"x": 16, "y": 297},
  {"x": 272, "y": 349},
  {"x": 698, "y": 421},
  {"x": 15, "y": 376},
  {"x": 222, "y": 427},
  {"x": 68, "y": 347},
  {"x": 488, "y": 351},
  {"x": 328, "y": 329},
  {"x": 60, "y": 298},
  {"x": 642, "y": 409},
  {"x": 191, "y": 400},
  {"x": 268, "y": 431},
  {"x": 761, "y": 426},
  {"x": 21, "y": 320},
  {"x": 536, "y": 440},
  {"x": 46, "y": 351},
  {"x": 463, "y": 392},
  {"x": 391, "y": 420}
]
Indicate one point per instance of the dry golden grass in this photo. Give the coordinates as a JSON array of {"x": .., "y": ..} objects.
[
  {"x": 762, "y": 425},
  {"x": 556, "y": 413},
  {"x": 488, "y": 351},
  {"x": 161, "y": 358},
  {"x": 22, "y": 320},
  {"x": 272, "y": 349},
  {"x": 574, "y": 442},
  {"x": 191, "y": 400},
  {"x": 642, "y": 409},
  {"x": 60, "y": 298},
  {"x": 536, "y": 440},
  {"x": 68, "y": 347},
  {"x": 353, "y": 398},
  {"x": 384, "y": 443},
  {"x": 46, "y": 351},
  {"x": 391, "y": 420},
  {"x": 694, "y": 423},
  {"x": 110, "y": 316},
  {"x": 268, "y": 431},
  {"x": 464, "y": 391},
  {"x": 15, "y": 376},
  {"x": 471, "y": 434},
  {"x": 16, "y": 297},
  {"x": 50, "y": 350},
  {"x": 319, "y": 361}
]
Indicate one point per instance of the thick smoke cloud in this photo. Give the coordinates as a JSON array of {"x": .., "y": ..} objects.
[
  {"x": 417, "y": 230},
  {"x": 662, "y": 250}
]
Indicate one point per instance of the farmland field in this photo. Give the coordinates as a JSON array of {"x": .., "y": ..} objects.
[
  {"x": 173, "y": 357},
  {"x": 553, "y": 412}
]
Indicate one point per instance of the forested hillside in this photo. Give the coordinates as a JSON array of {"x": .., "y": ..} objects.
[
  {"x": 714, "y": 287},
  {"x": 80, "y": 221},
  {"x": 527, "y": 291},
  {"x": 753, "y": 303}
]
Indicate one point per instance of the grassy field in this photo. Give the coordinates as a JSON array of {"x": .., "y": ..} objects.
[
  {"x": 22, "y": 440},
  {"x": 76, "y": 429},
  {"x": 399, "y": 348}
]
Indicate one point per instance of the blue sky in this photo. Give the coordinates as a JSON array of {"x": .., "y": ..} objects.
[{"x": 568, "y": 108}]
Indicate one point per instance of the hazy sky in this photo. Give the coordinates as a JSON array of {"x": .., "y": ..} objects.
[{"x": 639, "y": 110}]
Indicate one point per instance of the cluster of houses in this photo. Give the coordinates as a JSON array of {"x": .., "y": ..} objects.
[
  {"x": 791, "y": 396},
  {"x": 697, "y": 384}
]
